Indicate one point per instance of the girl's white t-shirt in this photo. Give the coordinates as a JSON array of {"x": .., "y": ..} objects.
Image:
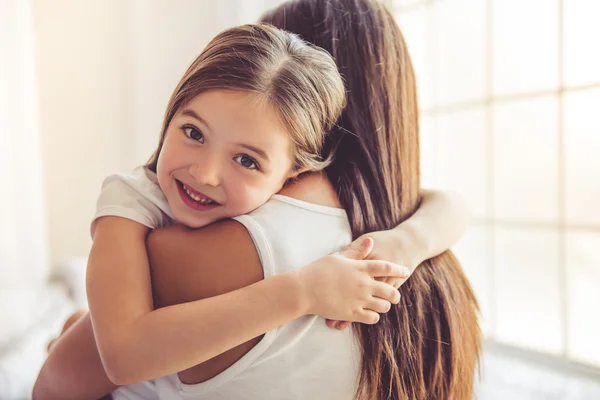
[{"x": 301, "y": 360}]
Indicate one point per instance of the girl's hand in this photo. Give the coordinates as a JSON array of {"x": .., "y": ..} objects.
[
  {"x": 345, "y": 286},
  {"x": 386, "y": 246}
]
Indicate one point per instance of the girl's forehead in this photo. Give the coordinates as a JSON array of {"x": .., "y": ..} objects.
[{"x": 238, "y": 103}]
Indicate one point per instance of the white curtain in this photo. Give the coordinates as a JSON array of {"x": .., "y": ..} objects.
[{"x": 23, "y": 250}]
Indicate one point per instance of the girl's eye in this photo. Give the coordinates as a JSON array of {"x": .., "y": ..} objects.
[
  {"x": 193, "y": 133},
  {"x": 246, "y": 161}
]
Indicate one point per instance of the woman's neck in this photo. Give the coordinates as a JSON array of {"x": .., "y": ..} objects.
[{"x": 312, "y": 187}]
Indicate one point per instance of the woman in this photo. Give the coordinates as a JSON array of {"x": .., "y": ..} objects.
[
  {"x": 376, "y": 168},
  {"x": 435, "y": 325}
]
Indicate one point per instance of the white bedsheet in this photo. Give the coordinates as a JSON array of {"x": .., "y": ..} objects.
[{"x": 31, "y": 318}]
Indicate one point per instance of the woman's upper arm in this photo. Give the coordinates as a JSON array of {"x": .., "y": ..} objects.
[{"x": 189, "y": 265}]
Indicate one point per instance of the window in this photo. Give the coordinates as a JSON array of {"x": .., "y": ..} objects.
[{"x": 509, "y": 92}]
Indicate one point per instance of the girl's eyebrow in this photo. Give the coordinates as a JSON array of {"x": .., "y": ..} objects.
[
  {"x": 258, "y": 151},
  {"x": 190, "y": 113}
]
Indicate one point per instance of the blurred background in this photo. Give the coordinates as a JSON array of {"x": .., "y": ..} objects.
[{"x": 509, "y": 94}]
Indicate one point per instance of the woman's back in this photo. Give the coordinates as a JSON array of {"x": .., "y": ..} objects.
[{"x": 427, "y": 346}]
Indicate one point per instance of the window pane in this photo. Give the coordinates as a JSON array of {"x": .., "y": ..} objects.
[
  {"x": 581, "y": 27},
  {"x": 459, "y": 61},
  {"x": 416, "y": 29},
  {"x": 472, "y": 252},
  {"x": 525, "y": 46},
  {"x": 461, "y": 153},
  {"x": 527, "y": 286},
  {"x": 428, "y": 154},
  {"x": 582, "y": 147},
  {"x": 525, "y": 171}
]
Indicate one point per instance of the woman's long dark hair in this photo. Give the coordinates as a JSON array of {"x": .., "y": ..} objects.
[{"x": 428, "y": 346}]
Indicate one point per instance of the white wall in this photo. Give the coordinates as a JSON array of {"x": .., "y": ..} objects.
[
  {"x": 83, "y": 105},
  {"x": 106, "y": 71}
]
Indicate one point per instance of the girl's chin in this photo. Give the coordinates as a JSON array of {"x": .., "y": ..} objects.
[{"x": 192, "y": 221}]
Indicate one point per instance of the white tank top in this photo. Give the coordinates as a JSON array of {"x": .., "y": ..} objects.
[{"x": 301, "y": 360}]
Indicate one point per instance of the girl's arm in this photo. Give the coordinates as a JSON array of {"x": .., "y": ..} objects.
[
  {"x": 137, "y": 343},
  {"x": 73, "y": 369},
  {"x": 438, "y": 223}
]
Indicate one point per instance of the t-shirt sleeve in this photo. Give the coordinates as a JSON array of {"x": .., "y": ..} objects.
[{"x": 128, "y": 197}]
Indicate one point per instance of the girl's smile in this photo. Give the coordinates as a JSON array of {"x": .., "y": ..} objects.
[{"x": 195, "y": 199}]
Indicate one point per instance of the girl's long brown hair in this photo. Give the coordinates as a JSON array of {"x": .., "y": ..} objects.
[
  {"x": 428, "y": 346},
  {"x": 298, "y": 80}
]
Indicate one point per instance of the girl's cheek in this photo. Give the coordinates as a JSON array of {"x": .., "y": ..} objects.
[
  {"x": 244, "y": 197},
  {"x": 175, "y": 155},
  {"x": 166, "y": 155}
]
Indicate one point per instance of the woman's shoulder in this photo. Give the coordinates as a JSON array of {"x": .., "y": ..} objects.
[{"x": 314, "y": 188}]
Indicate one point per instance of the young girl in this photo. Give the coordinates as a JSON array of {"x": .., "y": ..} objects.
[
  {"x": 175, "y": 338},
  {"x": 250, "y": 113}
]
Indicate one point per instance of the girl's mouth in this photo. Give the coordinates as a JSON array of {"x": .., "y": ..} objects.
[{"x": 195, "y": 199}]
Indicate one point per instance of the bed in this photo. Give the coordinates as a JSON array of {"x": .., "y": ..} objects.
[{"x": 30, "y": 317}]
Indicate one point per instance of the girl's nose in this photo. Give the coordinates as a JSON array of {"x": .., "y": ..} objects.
[{"x": 206, "y": 173}]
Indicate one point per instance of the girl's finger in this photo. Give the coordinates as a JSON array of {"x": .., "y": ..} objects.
[
  {"x": 342, "y": 325},
  {"x": 331, "y": 323},
  {"x": 378, "y": 305},
  {"x": 377, "y": 269},
  {"x": 396, "y": 282},
  {"x": 359, "y": 249},
  {"x": 384, "y": 279},
  {"x": 385, "y": 292},
  {"x": 368, "y": 317}
]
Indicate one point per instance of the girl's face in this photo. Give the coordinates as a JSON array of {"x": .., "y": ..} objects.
[{"x": 224, "y": 154}]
